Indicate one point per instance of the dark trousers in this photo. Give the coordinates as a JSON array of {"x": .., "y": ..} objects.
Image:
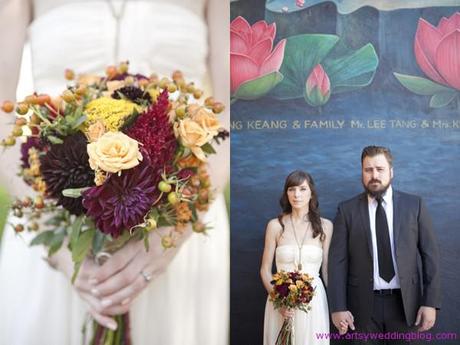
[{"x": 389, "y": 321}]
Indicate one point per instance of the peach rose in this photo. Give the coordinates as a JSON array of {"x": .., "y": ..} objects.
[
  {"x": 193, "y": 136},
  {"x": 113, "y": 152},
  {"x": 208, "y": 121}
]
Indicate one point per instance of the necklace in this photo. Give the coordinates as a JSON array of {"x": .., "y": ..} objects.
[
  {"x": 117, "y": 16},
  {"x": 299, "y": 245}
]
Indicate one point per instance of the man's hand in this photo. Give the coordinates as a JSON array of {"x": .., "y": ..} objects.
[
  {"x": 426, "y": 317},
  {"x": 342, "y": 320}
]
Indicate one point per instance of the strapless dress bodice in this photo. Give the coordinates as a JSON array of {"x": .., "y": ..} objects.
[
  {"x": 287, "y": 258},
  {"x": 155, "y": 36}
]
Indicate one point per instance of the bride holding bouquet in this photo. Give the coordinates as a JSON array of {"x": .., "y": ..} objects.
[{"x": 298, "y": 239}]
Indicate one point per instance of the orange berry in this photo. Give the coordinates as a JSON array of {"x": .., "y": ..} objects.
[
  {"x": 22, "y": 108},
  {"x": 43, "y": 99},
  {"x": 191, "y": 88},
  {"x": 172, "y": 88},
  {"x": 38, "y": 202},
  {"x": 164, "y": 82},
  {"x": 209, "y": 102},
  {"x": 218, "y": 107},
  {"x": 35, "y": 119},
  {"x": 69, "y": 74},
  {"x": 19, "y": 228},
  {"x": 123, "y": 67},
  {"x": 81, "y": 90},
  {"x": 20, "y": 121},
  {"x": 17, "y": 131},
  {"x": 197, "y": 94},
  {"x": 31, "y": 99},
  {"x": 8, "y": 106},
  {"x": 111, "y": 72},
  {"x": 177, "y": 75},
  {"x": 68, "y": 96}
]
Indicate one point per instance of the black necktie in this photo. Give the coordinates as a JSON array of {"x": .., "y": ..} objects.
[{"x": 386, "y": 268}]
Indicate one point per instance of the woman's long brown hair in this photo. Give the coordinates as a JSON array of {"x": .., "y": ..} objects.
[{"x": 296, "y": 178}]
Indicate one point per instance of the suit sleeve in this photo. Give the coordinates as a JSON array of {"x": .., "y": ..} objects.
[
  {"x": 338, "y": 264},
  {"x": 429, "y": 252}
]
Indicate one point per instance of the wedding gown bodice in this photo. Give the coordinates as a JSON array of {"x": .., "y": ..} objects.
[
  {"x": 154, "y": 35},
  {"x": 287, "y": 258}
]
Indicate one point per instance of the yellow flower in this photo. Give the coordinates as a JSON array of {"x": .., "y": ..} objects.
[
  {"x": 95, "y": 131},
  {"x": 279, "y": 282},
  {"x": 293, "y": 288},
  {"x": 113, "y": 152},
  {"x": 112, "y": 112},
  {"x": 193, "y": 136},
  {"x": 300, "y": 284}
]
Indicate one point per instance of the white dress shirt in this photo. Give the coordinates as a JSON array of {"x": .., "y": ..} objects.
[{"x": 387, "y": 204}]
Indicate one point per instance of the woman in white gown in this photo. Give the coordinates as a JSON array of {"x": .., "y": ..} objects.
[
  {"x": 298, "y": 240},
  {"x": 181, "y": 305}
]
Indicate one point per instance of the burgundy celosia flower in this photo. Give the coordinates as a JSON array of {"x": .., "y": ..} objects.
[
  {"x": 282, "y": 289},
  {"x": 66, "y": 166},
  {"x": 153, "y": 129},
  {"x": 122, "y": 201}
]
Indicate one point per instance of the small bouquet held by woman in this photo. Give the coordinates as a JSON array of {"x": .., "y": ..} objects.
[
  {"x": 291, "y": 290},
  {"x": 113, "y": 159}
]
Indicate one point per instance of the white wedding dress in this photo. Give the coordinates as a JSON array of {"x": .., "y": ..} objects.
[
  {"x": 307, "y": 326},
  {"x": 189, "y": 303}
]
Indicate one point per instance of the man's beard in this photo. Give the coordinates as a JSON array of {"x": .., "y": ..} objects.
[{"x": 376, "y": 193}]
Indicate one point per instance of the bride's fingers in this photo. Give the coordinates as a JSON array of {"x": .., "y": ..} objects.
[
  {"x": 103, "y": 320},
  {"x": 123, "y": 278},
  {"x": 115, "y": 264},
  {"x": 124, "y": 296}
]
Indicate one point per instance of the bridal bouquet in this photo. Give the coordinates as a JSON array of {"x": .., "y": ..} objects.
[
  {"x": 112, "y": 159},
  {"x": 291, "y": 290}
]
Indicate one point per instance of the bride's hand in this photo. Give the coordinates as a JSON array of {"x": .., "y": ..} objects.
[
  {"x": 287, "y": 312},
  {"x": 62, "y": 261},
  {"x": 129, "y": 271}
]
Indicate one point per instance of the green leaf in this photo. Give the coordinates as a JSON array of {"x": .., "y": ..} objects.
[
  {"x": 420, "y": 86},
  {"x": 301, "y": 55},
  {"x": 98, "y": 242},
  {"x": 258, "y": 87},
  {"x": 441, "y": 99},
  {"x": 81, "y": 247},
  {"x": 43, "y": 238},
  {"x": 74, "y": 192},
  {"x": 207, "y": 148},
  {"x": 56, "y": 242},
  {"x": 76, "y": 269},
  {"x": 76, "y": 229},
  {"x": 352, "y": 71},
  {"x": 55, "y": 140},
  {"x": 78, "y": 122}
]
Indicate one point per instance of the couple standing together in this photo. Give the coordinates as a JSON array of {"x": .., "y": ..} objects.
[{"x": 368, "y": 258}]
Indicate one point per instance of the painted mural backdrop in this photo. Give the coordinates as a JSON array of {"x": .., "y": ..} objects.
[{"x": 313, "y": 82}]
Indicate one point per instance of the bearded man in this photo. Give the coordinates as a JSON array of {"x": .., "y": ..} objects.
[{"x": 377, "y": 285}]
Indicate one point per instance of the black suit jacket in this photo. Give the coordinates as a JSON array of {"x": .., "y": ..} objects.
[{"x": 350, "y": 265}]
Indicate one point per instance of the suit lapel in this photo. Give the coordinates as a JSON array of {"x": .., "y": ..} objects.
[
  {"x": 364, "y": 210},
  {"x": 396, "y": 219}
]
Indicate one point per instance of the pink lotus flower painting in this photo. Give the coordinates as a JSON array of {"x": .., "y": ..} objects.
[
  {"x": 254, "y": 62},
  {"x": 437, "y": 52},
  {"x": 318, "y": 88}
]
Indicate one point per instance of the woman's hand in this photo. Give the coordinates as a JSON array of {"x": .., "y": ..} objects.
[
  {"x": 62, "y": 261},
  {"x": 129, "y": 271},
  {"x": 287, "y": 312}
]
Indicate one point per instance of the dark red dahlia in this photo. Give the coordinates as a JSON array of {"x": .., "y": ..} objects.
[
  {"x": 153, "y": 129},
  {"x": 122, "y": 201},
  {"x": 66, "y": 166}
]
